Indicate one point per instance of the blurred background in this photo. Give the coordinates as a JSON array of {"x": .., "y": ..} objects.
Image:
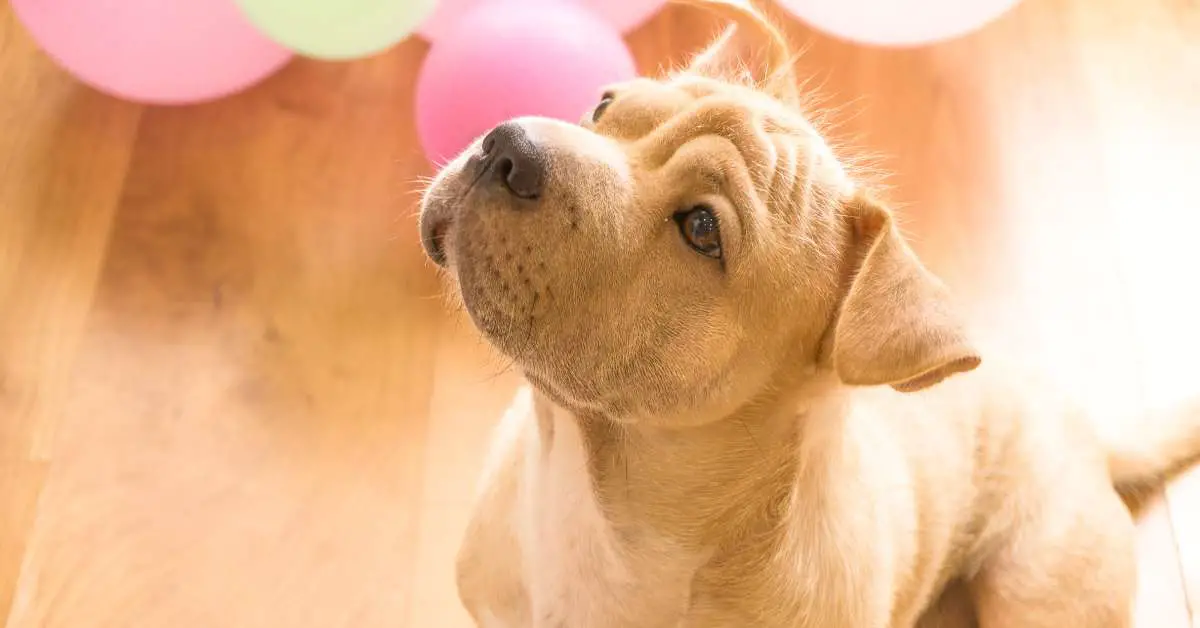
[{"x": 232, "y": 393}]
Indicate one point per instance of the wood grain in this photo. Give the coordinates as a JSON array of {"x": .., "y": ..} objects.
[
  {"x": 64, "y": 153},
  {"x": 231, "y": 393}
]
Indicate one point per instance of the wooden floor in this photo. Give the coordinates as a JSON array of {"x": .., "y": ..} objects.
[{"x": 231, "y": 395}]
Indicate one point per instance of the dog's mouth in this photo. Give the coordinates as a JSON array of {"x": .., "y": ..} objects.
[
  {"x": 438, "y": 217},
  {"x": 433, "y": 237}
]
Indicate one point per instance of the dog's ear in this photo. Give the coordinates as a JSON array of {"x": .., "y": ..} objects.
[
  {"x": 751, "y": 49},
  {"x": 897, "y": 324}
]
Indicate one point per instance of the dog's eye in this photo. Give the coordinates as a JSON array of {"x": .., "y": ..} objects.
[
  {"x": 701, "y": 230},
  {"x": 605, "y": 101}
]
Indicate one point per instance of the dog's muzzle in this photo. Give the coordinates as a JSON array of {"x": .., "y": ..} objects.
[{"x": 508, "y": 162}]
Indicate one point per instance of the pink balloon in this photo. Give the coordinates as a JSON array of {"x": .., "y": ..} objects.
[
  {"x": 623, "y": 15},
  {"x": 893, "y": 23},
  {"x": 153, "y": 51},
  {"x": 503, "y": 60}
]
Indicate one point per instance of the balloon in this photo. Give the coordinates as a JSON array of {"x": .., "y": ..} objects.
[
  {"x": 337, "y": 29},
  {"x": 623, "y": 15},
  {"x": 896, "y": 22},
  {"x": 153, "y": 51},
  {"x": 505, "y": 60}
]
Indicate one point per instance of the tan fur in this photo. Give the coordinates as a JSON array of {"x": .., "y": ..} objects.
[{"x": 800, "y": 434}]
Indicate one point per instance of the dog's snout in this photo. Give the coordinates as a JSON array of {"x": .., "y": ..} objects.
[{"x": 514, "y": 160}]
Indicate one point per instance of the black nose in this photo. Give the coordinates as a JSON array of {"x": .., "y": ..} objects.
[{"x": 513, "y": 160}]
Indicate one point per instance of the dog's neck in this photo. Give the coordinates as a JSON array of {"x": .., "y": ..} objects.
[{"x": 706, "y": 487}]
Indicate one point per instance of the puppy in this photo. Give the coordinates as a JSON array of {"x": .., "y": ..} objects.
[{"x": 749, "y": 404}]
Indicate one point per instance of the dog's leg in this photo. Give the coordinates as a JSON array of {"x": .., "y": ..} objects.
[{"x": 1065, "y": 567}]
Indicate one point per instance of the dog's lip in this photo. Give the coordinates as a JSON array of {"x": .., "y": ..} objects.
[
  {"x": 436, "y": 221},
  {"x": 438, "y": 217},
  {"x": 437, "y": 250}
]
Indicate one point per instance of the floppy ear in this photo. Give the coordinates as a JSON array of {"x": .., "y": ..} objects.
[
  {"x": 897, "y": 325},
  {"x": 751, "y": 47}
]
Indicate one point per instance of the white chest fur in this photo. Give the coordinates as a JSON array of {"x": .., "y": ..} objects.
[
  {"x": 544, "y": 552},
  {"x": 579, "y": 571}
]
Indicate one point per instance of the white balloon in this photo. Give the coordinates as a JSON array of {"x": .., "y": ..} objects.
[
  {"x": 897, "y": 22},
  {"x": 623, "y": 15}
]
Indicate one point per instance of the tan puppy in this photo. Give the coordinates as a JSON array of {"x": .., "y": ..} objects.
[{"x": 750, "y": 404}]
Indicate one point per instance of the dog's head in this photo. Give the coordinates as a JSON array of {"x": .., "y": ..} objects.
[{"x": 691, "y": 242}]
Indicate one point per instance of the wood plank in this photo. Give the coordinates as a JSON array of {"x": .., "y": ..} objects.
[
  {"x": 1149, "y": 131},
  {"x": 473, "y": 388},
  {"x": 1161, "y": 600},
  {"x": 1183, "y": 499},
  {"x": 63, "y": 157},
  {"x": 243, "y": 438}
]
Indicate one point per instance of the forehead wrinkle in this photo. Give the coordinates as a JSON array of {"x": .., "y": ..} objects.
[
  {"x": 696, "y": 86},
  {"x": 753, "y": 212},
  {"x": 808, "y": 202},
  {"x": 807, "y": 163},
  {"x": 710, "y": 164},
  {"x": 786, "y": 173},
  {"x": 765, "y": 147},
  {"x": 716, "y": 116},
  {"x": 794, "y": 176}
]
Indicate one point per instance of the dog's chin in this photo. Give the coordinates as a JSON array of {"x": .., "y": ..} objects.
[
  {"x": 471, "y": 266},
  {"x": 512, "y": 321},
  {"x": 502, "y": 292},
  {"x": 562, "y": 395},
  {"x": 504, "y": 324}
]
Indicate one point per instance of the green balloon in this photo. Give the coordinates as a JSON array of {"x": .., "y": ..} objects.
[{"x": 337, "y": 29}]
